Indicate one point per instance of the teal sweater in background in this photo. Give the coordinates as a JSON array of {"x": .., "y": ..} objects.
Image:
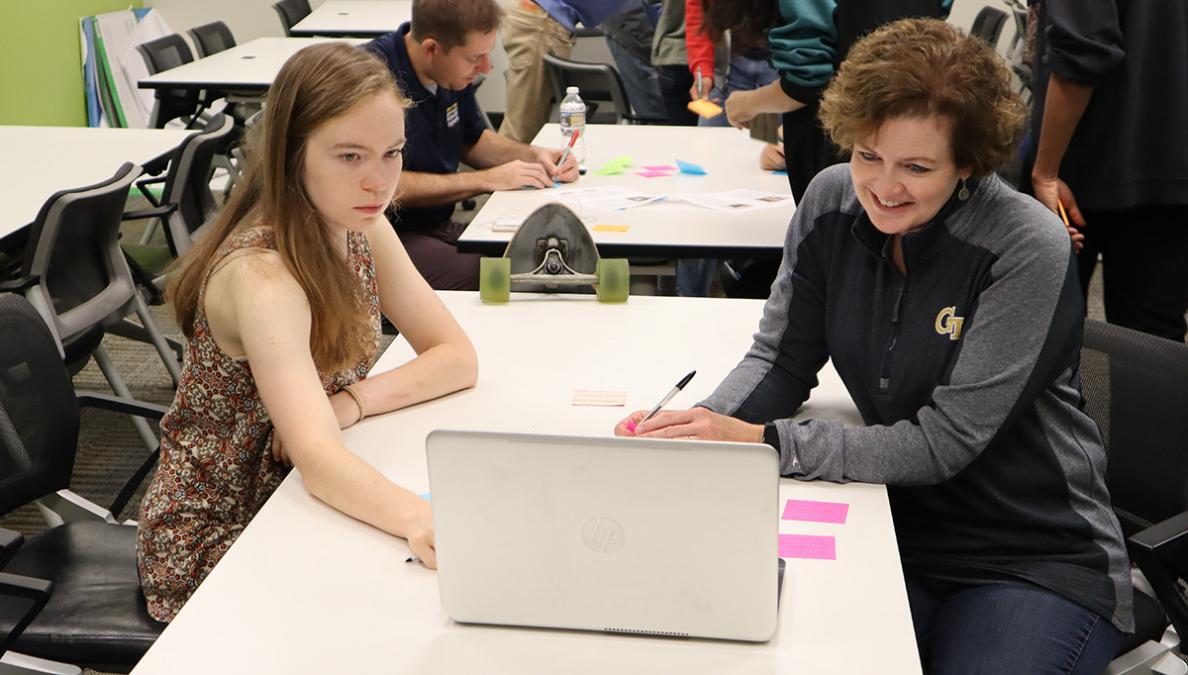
[{"x": 815, "y": 36}]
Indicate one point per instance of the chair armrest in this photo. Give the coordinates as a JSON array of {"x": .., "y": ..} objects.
[
  {"x": 10, "y": 542},
  {"x": 142, "y": 185},
  {"x": 35, "y": 590},
  {"x": 19, "y": 284},
  {"x": 121, "y": 405},
  {"x": 129, "y": 407},
  {"x": 1159, "y": 552},
  {"x": 154, "y": 212}
]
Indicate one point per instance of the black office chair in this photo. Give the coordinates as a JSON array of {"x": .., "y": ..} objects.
[
  {"x": 1136, "y": 386},
  {"x": 598, "y": 83},
  {"x": 291, "y": 12},
  {"x": 163, "y": 54},
  {"x": 185, "y": 205},
  {"x": 988, "y": 24},
  {"x": 71, "y": 593},
  {"x": 212, "y": 38},
  {"x": 76, "y": 276}
]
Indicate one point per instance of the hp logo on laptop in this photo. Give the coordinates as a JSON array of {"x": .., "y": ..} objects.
[{"x": 603, "y": 535}]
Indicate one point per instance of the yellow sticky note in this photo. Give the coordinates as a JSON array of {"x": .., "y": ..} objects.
[
  {"x": 705, "y": 107},
  {"x": 611, "y": 228}
]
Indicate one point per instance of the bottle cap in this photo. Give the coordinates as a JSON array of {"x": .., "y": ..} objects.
[{"x": 571, "y": 90}]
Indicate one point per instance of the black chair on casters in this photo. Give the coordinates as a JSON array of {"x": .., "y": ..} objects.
[
  {"x": 76, "y": 276},
  {"x": 1136, "y": 386},
  {"x": 291, "y": 13},
  {"x": 163, "y": 54},
  {"x": 185, "y": 205},
  {"x": 71, "y": 593},
  {"x": 212, "y": 38}
]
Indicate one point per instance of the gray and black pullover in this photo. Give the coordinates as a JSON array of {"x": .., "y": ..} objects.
[{"x": 965, "y": 373}]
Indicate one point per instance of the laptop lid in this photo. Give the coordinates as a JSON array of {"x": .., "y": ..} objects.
[{"x": 624, "y": 535}]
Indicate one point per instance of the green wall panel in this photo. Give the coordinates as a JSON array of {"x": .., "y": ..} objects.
[{"x": 40, "y": 59}]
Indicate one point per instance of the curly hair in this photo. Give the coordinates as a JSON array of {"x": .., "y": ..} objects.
[{"x": 924, "y": 67}]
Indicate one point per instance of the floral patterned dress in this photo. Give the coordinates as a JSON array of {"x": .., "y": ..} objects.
[{"x": 216, "y": 467}]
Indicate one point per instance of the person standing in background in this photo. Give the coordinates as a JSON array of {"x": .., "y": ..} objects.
[
  {"x": 1111, "y": 102},
  {"x": 629, "y": 38},
  {"x": 749, "y": 64},
  {"x": 532, "y": 29},
  {"x": 808, "y": 42},
  {"x": 669, "y": 58}
]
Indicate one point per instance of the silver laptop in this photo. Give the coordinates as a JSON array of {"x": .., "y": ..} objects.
[{"x": 623, "y": 535}]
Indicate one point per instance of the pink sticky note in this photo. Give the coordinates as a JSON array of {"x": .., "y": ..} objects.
[
  {"x": 817, "y": 512},
  {"x": 631, "y": 427},
  {"x": 809, "y": 546},
  {"x": 651, "y": 174},
  {"x": 659, "y": 167}
]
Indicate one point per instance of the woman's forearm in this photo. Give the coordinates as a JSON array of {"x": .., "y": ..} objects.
[{"x": 439, "y": 370}]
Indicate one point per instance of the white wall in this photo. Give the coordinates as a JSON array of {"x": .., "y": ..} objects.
[{"x": 250, "y": 19}]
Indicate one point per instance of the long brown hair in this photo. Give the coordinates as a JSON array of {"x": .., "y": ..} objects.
[
  {"x": 316, "y": 84},
  {"x": 748, "y": 20}
]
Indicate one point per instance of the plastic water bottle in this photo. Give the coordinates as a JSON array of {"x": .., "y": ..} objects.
[{"x": 573, "y": 118}]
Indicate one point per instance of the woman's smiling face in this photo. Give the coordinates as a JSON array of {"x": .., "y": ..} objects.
[{"x": 904, "y": 172}]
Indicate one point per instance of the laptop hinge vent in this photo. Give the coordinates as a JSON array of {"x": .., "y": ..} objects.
[{"x": 640, "y": 631}]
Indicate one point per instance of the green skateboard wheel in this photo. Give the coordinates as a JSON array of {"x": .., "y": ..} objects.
[
  {"x": 614, "y": 280},
  {"x": 494, "y": 280}
]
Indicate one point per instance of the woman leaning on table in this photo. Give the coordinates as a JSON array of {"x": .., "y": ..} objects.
[
  {"x": 950, "y": 307},
  {"x": 281, "y": 302}
]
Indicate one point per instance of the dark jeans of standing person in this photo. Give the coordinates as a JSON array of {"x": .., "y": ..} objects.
[
  {"x": 1144, "y": 252},
  {"x": 1007, "y": 628},
  {"x": 641, "y": 81},
  {"x": 807, "y": 150},
  {"x": 675, "y": 83}
]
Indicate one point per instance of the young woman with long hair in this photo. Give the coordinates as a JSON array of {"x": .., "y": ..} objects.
[{"x": 281, "y": 301}]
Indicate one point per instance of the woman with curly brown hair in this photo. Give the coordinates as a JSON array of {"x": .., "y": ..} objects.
[{"x": 950, "y": 307}]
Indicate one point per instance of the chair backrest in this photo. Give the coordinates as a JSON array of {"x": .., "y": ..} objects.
[
  {"x": 988, "y": 24},
  {"x": 212, "y": 38},
  {"x": 74, "y": 251},
  {"x": 188, "y": 182},
  {"x": 38, "y": 409},
  {"x": 160, "y": 55},
  {"x": 1136, "y": 386},
  {"x": 598, "y": 82},
  {"x": 291, "y": 12}
]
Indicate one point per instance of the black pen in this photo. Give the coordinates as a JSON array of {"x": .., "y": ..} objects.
[{"x": 668, "y": 397}]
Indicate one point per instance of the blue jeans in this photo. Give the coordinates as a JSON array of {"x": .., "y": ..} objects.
[
  {"x": 745, "y": 74},
  {"x": 641, "y": 81},
  {"x": 1007, "y": 628},
  {"x": 695, "y": 276}
]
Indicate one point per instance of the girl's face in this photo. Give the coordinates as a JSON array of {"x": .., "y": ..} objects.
[
  {"x": 353, "y": 161},
  {"x": 904, "y": 173}
]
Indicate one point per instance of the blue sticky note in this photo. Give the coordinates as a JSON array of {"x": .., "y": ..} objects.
[
  {"x": 690, "y": 168},
  {"x": 424, "y": 495},
  {"x": 778, "y": 172}
]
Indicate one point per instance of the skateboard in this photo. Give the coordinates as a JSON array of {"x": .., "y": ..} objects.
[{"x": 552, "y": 250}]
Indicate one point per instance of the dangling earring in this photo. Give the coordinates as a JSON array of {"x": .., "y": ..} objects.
[{"x": 963, "y": 193}]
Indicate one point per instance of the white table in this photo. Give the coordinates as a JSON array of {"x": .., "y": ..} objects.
[
  {"x": 246, "y": 69},
  {"x": 669, "y": 229},
  {"x": 39, "y": 161},
  {"x": 306, "y": 589},
  {"x": 354, "y": 18}
]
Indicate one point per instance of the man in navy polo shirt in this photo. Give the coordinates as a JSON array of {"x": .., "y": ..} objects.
[{"x": 436, "y": 58}]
